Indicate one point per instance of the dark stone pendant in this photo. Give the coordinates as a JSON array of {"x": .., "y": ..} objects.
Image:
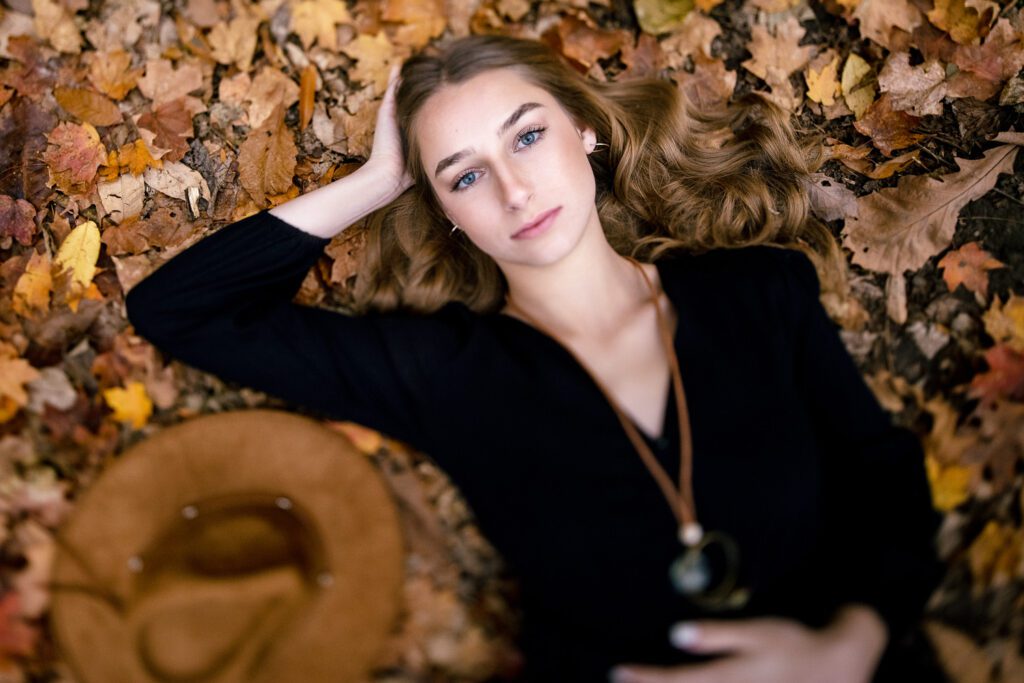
[{"x": 706, "y": 573}]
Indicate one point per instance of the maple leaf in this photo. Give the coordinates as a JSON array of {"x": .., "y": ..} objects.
[
  {"x": 823, "y": 80},
  {"x": 963, "y": 23},
  {"x": 917, "y": 90},
  {"x": 884, "y": 20},
  {"x": 32, "y": 290},
  {"x": 73, "y": 155},
  {"x": 1004, "y": 377},
  {"x": 234, "y": 42},
  {"x": 776, "y": 55},
  {"x": 967, "y": 266},
  {"x": 130, "y": 404},
  {"x": 888, "y": 128},
  {"x": 75, "y": 264},
  {"x": 315, "y": 20},
  {"x": 169, "y": 125},
  {"x": 16, "y": 220},
  {"x": 14, "y": 374},
  {"x": 54, "y": 22},
  {"x": 1005, "y": 322},
  {"x": 661, "y": 16},
  {"x": 110, "y": 72},
  {"x": 373, "y": 55}
]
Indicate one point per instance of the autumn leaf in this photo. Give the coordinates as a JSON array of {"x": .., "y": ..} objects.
[
  {"x": 888, "y": 128},
  {"x": 32, "y": 290},
  {"x": 266, "y": 160},
  {"x": 110, "y": 73},
  {"x": 373, "y": 55},
  {"x": 75, "y": 264},
  {"x": 55, "y": 22},
  {"x": 963, "y": 23},
  {"x": 73, "y": 156},
  {"x": 316, "y": 20},
  {"x": 130, "y": 404},
  {"x": 16, "y": 221},
  {"x": 1004, "y": 378},
  {"x": 822, "y": 78},
  {"x": 899, "y": 228},
  {"x": 917, "y": 90},
  {"x": 14, "y": 374},
  {"x": 968, "y": 266},
  {"x": 1005, "y": 322},
  {"x": 234, "y": 42},
  {"x": 948, "y": 483},
  {"x": 661, "y": 16},
  {"x": 88, "y": 105}
]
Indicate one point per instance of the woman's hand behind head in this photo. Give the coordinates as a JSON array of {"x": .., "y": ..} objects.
[{"x": 386, "y": 155}]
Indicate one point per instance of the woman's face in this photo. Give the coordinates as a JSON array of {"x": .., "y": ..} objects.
[{"x": 508, "y": 153}]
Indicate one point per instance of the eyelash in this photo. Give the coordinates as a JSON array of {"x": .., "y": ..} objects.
[{"x": 535, "y": 129}]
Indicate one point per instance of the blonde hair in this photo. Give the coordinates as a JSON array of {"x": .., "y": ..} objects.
[{"x": 673, "y": 177}]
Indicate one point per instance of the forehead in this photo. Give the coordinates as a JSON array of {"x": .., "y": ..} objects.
[{"x": 469, "y": 113}]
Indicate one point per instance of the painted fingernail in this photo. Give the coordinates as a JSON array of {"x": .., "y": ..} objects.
[{"x": 683, "y": 634}]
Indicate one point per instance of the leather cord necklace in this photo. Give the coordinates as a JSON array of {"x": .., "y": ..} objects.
[{"x": 708, "y": 556}]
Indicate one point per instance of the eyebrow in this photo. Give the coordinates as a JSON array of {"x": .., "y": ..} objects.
[{"x": 509, "y": 122}]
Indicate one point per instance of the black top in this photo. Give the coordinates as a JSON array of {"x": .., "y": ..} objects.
[{"x": 793, "y": 455}]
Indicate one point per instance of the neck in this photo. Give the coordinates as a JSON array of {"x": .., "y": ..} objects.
[{"x": 589, "y": 294}]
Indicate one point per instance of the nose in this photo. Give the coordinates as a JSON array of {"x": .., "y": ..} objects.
[{"x": 516, "y": 186}]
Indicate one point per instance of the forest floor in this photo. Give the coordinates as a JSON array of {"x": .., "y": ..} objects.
[{"x": 118, "y": 119}]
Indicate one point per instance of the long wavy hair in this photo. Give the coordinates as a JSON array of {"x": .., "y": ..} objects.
[{"x": 673, "y": 177}]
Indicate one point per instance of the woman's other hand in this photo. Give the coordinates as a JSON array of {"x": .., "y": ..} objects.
[
  {"x": 767, "y": 650},
  {"x": 386, "y": 155}
]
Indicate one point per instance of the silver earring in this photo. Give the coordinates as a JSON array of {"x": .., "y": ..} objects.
[
  {"x": 454, "y": 228},
  {"x": 599, "y": 144}
]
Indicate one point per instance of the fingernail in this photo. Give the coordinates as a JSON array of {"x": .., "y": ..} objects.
[
  {"x": 618, "y": 675},
  {"x": 683, "y": 634}
]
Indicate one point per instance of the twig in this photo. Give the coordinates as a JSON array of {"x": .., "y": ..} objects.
[{"x": 1008, "y": 196}]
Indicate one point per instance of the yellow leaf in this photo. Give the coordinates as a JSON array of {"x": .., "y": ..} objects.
[
  {"x": 32, "y": 290},
  {"x": 1005, "y": 322},
  {"x": 130, "y": 404},
  {"x": 14, "y": 373},
  {"x": 949, "y": 484},
  {"x": 823, "y": 86},
  {"x": 316, "y": 19},
  {"x": 994, "y": 554},
  {"x": 75, "y": 263},
  {"x": 373, "y": 55}
]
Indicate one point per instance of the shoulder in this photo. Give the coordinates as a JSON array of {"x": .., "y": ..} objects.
[{"x": 751, "y": 267}]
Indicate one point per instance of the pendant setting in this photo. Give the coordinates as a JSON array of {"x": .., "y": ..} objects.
[{"x": 706, "y": 573}]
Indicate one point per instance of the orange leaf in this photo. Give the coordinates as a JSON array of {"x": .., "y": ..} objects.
[
  {"x": 1003, "y": 379},
  {"x": 968, "y": 266}
]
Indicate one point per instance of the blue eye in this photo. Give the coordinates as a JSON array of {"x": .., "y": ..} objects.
[{"x": 533, "y": 134}]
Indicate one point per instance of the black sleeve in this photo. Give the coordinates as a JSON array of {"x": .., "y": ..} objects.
[
  {"x": 224, "y": 305},
  {"x": 882, "y": 523}
]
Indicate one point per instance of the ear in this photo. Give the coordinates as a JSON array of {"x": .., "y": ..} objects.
[{"x": 588, "y": 137}]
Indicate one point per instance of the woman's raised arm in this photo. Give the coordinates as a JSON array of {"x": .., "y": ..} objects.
[{"x": 224, "y": 305}]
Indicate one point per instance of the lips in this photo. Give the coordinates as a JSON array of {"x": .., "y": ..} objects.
[{"x": 536, "y": 221}]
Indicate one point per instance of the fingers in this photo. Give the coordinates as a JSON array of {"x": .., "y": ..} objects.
[{"x": 719, "y": 635}]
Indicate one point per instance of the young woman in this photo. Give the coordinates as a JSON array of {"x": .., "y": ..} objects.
[{"x": 577, "y": 297}]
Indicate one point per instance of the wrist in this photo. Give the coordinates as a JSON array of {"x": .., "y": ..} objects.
[
  {"x": 390, "y": 185},
  {"x": 858, "y": 637}
]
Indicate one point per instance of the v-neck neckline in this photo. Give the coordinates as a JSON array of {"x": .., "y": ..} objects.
[{"x": 667, "y": 403}]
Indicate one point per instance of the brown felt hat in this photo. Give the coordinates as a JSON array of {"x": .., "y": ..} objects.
[{"x": 253, "y": 545}]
